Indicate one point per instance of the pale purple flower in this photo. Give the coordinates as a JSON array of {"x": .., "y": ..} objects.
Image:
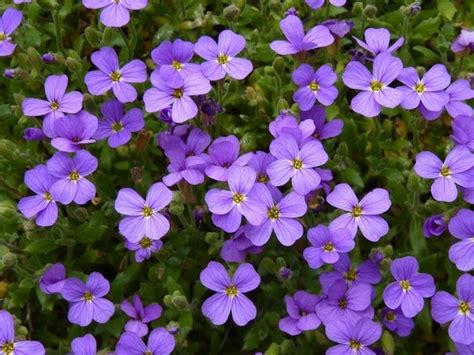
[
  {"x": 192, "y": 144},
  {"x": 229, "y": 297},
  {"x": 189, "y": 169},
  {"x": 72, "y": 132},
  {"x": 86, "y": 345},
  {"x": 115, "y": 13},
  {"x": 21, "y": 1},
  {"x": 286, "y": 123},
  {"x": 461, "y": 226},
  {"x": 259, "y": 163},
  {"x": 434, "y": 226},
  {"x": 235, "y": 250},
  {"x": 323, "y": 130},
  {"x": 160, "y": 342},
  {"x": 465, "y": 41},
  {"x": 463, "y": 131},
  {"x": 314, "y": 86},
  {"x": 9, "y": 21},
  {"x": 338, "y": 28},
  {"x": 363, "y": 214},
  {"x": 301, "y": 313},
  {"x": 396, "y": 321},
  {"x": 111, "y": 76},
  {"x": 463, "y": 349},
  {"x": 140, "y": 315},
  {"x": 377, "y": 41},
  {"x": 53, "y": 278},
  {"x": 9, "y": 346},
  {"x": 316, "y": 4},
  {"x": 144, "y": 248}
]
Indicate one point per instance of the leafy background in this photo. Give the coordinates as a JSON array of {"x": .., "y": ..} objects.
[{"x": 370, "y": 153}]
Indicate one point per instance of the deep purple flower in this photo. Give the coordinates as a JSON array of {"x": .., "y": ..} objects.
[
  {"x": 144, "y": 248},
  {"x": 377, "y": 41},
  {"x": 9, "y": 73},
  {"x": 33, "y": 134},
  {"x": 57, "y": 104},
  {"x": 434, "y": 226},
  {"x": 316, "y": 4},
  {"x": 301, "y": 313},
  {"x": 86, "y": 345},
  {"x": 110, "y": 76},
  {"x": 9, "y": 21},
  {"x": 459, "y": 311},
  {"x": 281, "y": 217},
  {"x": 209, "y": 108},
  {"x": 338, "y": 28},
  {"x": 463, "y": 131},
  {"x": 410, "y": 287},
  {"x": 314, "y": 86},
  {"x": 42, "y": 206},
  {"x": 461, "y": 226},
  {"x": 9, "y": 346},
  {"x": 118, "y": 126},
  {"x": 465, "y": 41},
  {"x": 87, "y": 300},
  {"x": 297, "y": 41},
  {"x": 236, "y": 249},
  {"x": 458, "y": 92},
  {"x": 295, "y": 163},
  {"x": 375, "y": 90},
  {"x": 221, "y": 56},
  {"x": 143, "y": 215},
  {"x": 115, "y": 13},
  {"x": 140, "y": 315},
  {"x": 194, "y": 144},
  {"x": 190, "y": 169},
  {"x": 48, "y": 58},
  {"x": 353, "y": 338},
  {"x": 53, "y": 278},
  {"x": 455, "y": 170},
  {"x": 396, "y": 321},
  {"x": 71, "y": 184},
  {"x": 72, "y": 132},
  {"x": 363, "y": 214},
  {"x": 323, "y": 129},
  {"x": 326, "y": 244},
  {"x": 160, "y": 342},
  {"x": 230, "y": 293}
]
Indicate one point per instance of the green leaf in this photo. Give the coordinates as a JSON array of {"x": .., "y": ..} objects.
[
  {"x": 352, "y": 177},
  {"x": 42, "y": 246},
  {"x": 446, "y": 8}
]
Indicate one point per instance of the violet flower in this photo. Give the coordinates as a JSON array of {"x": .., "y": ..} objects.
[
  {"x": 323, "y": 130},
  {"x": 53, "y": 278},
  {"x": 33, "y": 134},
  {"x": 235, "y": 250},
  {"x": 115, "y": 13},
  {"x": 396, "y": 322},
  {"x": 339, "y": 28},
  {"x": 86, "y": 345},
  {"x": 9, "y": 22},
  {"x": 461, "y": 226},
  {"x": 9, "y": 346},
  {"x": 74, "y": 131},
  {"x": 301, "y": 313},
  {"x": 144, "y": 248},
  {"x": 140, "y": 315},
  {"x": 316, "y": 4},
  {"x": 463, "y": 131},
  {"x": 286, "y": 123},
  {"x": 463, "y": 42},
  {"x": 434, "y": 226},
  {"x": 160, "y": 342},
  {"x": 377, "y": 41}
]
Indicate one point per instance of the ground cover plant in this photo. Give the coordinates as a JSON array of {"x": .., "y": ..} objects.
[{"x": 236, "y": 177}]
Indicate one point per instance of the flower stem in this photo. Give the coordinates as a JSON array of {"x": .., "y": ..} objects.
[{"x": 57, "y": 29}]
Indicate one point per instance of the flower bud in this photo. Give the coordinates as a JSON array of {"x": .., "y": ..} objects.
[
  {"x": 291, "y": 11},
  {"x": 143, "y": 140},
  {"x": 48, "y": 4},
  {"x": 212, "y": 238},
  {"x": 48, "y": 58},
  {"x": 9, "y": 259},
  {"x": 73, "y": 64},
  {"x": 278, "y": 64},
  {"x": 285, "y": 273},
  {"x": 180, "y": 302},
  {"x": 9, "y": 73},
  {"x": 93, "y": 37},
  {"x": 370, "y": 11},
  {"x": 33, "y": 134},
  {"x": 137, "y": 175},
  {"x": 35, "y": 58},
  {"x": 177, "y": 204},
  {"x": 81, "y": 214},
  {"x": 434, "y": 226},
  {"x": 173, "y": 327},
  {"x": 287, "y": 347},
  {"x": 388, "y": 344},
  {"x": 231, "y": 12},
  {"x": 357, "y": 8}
]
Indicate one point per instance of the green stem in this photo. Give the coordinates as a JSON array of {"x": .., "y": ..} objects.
[
  {"x": 57, "y": 30},
  {"x": 183, "y": 9},
  {"x": 326, "y": 13},
  {"x": 127, "y": 44},
  {"x": 405, "y": 29},
  {"x": 133, "y": 36}
]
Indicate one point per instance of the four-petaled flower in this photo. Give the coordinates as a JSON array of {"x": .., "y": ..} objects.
[
  {"x": 8, "y": 345},
  {"x": 160, "y": 342},
  {"x": 116, "y": 13},
  {"x": 301, "y": 313},
  {"x": 377, "y": 40},
  {"x": 461, "y": 226},
  {"x": 140, "y": 315},
  {"x": 9, "y": 21}
]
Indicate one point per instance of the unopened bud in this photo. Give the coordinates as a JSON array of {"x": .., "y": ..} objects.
[
  {"x": 370, "y": 11},
  {"x": 73, "y": 64},
  {"x": 231, "y": 12}
]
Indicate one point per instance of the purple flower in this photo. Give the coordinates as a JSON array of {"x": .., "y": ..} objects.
[
  {"x": 42, "y": 206},
  {"x": 235, "y": 249},
  {"x": 111, "y": 76},
  {"x": 326, "y": 244},
  {"x": 172, "y": 59},
  {"x": 230, "y": 293},
  {"x": 297, "y": 40},
  {"x": 8, "y": 345},
  {"x": 396, "y": 322},
  {"x": 410, "y": 287},
  {"x": 48, "y": 58},
  {"x": 458, "y": 92},
  {"x": 143, "y": 215},
  {"x": 33, "y": 134},
  {"x": 464, "y": 41},
  {"x": 281, "y": 217},
  {"x": 316, "y": 4},
  {"x": 314, "y": 86},
  {"x": 363, "y": 214},
  {"x": 115, "y": 13},
  {"x": 221, "y": 56},
  {"x": 185, "y": 168},
  {"x": 338, "y": 28},
  {"x": 434, "y": 226},
  {"x": 53, "y": 278},
  {"x": 463, "y": 131},
  {"x": 74, "y": 131},
  {"x": 463, "y": 349},
  {"x": 87, "y": 300},
  {"x": 57, "y": 104},
  {"x": 323, "y": 129},
  {"x": 144, "y": 248},
  {"x": 117, "y": 126},
  {"x": 140, "y": 315},
  {"x": 458, "y": 311},
  {"x": 461, "y": 226},
  {"x": 375, "y": 90},
  {"x": 295, "y": 163},
  {"x": 377, "y": 41},
  {"x": 353, "y": 338},
  {"x": 194, "y": 144},
  {"x": 259, "y": 163},
  {"x": 301, "y": 313},
  {"x": 71, "y": 184},
  {"x": 9, "y": 21},
  {"x": 286, "y": 123},
  {"x": 9, "y": 73},
  {"x": 86, "y": 345},
  {"x": 455, "y": 170},
  {"x": 176, "y": 92},
  {"x": 160, "y": 342}
]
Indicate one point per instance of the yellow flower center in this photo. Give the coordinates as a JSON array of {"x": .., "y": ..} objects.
[
  {"x": 314, "y": 86},
  {"x": 238, "y": 198},
  {"x": 3, "y": 36},
  {"x": 7, "y": 348},
  {"x": 390, "y": 316},
  {"x": 148, "y": 352},
  {"x": 357, "y": 211},
  {"x": 222, "y": 59},
  {"x": 419, "y": 88},
  {"x": 464, "y": 307},
  {"x": 88, "y": 296},
  {"x": 328, "y": 247},
  {"x": 376, "y": 85},
  {"x": 445, "y": 172},
  {"x": 147, "y": 211},
  {"x": 355, "y": 345},
  {"x": 47, "y": 196},
  {"x": 350, "y": 275},
  {"x": 74, "y": 176},
  {"x": 273, "y": 213},
  {"x": 262, "y": 178},
  {"x": 342, "y": 303},
  {"x": 297, "y": 164},
  {"x": 178, "y": 93},
  {"x": 405, "y": 285},
  {"x": 116, "y": 76},
  {"x": 145, "y": 242},
  {"x": 54, "y": 106},
  {"x": 231, "y": 291},
  {"x": 117, "y": 127}
]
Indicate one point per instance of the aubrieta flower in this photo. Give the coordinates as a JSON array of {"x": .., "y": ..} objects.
[
  {"x": 33, "y": 134},
  {"x": 455, "y": 170},
  {"x": 314, "y": 86},
  {"x": 301, "y": 313},
  {"x": 189, "y": 169},
  {"x": 72, "y": 132},
  {"x": 461, "y": 226},
  {"x": 160, "y": 342},
  {"x": 111, "y": 76},
  {"x": 459, "y": 311},
  {"x": 140, "y": 315},
  {"x": 235, "y": 250},
  {"x": 326, "y": 244},
  {"x": 316, "y": 4},
  {"x": 144, "y": 248},
  {"x": 117, "y": 126},
  {"x": 53, "y": 278},
  {"x": 297, "y": 41},
  {"x": 86, "y": 300},
  {"x": 8, "y": 345},
  {"x": 286, "y": 123},
  {"x": 281, "y": 217},
  {"x": 9, "y": 21},
  {"x": 465, "y": 41},
  {"x": 375, "y": 90},
  {"x": 192, "y": 144},
  {"x": 143, "y": 215},
  {"x": 434, "y": 226},
  {"x": 323, "y": 130},
  {"x": 363, "y": 214},
  {"x": 230, "y": 296},
  {"x": 395, "y": 321},
  {"x": 259, "y": 163},
  {"x": 463, "y": 349},
  {"x": 57, "y": 104},
  {"x": 115, "y": 13},
  {"x": 43, "y": 205},
  {"x": 295, "y": 163},
  {"x": 377, "y": 41},
  {"x": 71, "y": 184},
  {"x": 339, "y": 28},
  {"x": 410, "y": 287},
  {"x": 86, "y": 345},
  {"x": 463, "y": 131},
  {"x": 221, "y": 56},
  {"x": 354, "y": 338}
]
